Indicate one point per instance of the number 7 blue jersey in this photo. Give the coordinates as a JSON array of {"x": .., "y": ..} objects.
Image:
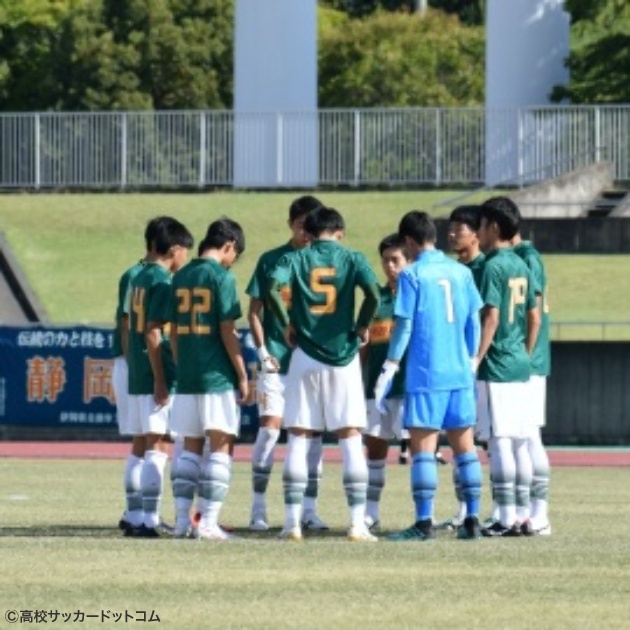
[{"x": 439, "y": 297}]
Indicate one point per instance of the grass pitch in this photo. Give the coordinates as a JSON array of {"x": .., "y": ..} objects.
[
  {"x": 60, "y": 551},
  {"x": 73, "y": 248}
]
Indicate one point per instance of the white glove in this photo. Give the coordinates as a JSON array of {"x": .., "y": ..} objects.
[
  {"x": 474, "y": 364},
  {"x": 384, "y": 384},
  {"x": 267, "y": 362}
]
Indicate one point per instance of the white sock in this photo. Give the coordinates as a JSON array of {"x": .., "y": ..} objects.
[
  {"x": 295, "y": 478},
  {"x": 133, "y": 490},
  {"x": 315, "y": 467},
  {"x": 355, "y": 478},
  {"x": 376, "y": 483},
  {"x": 462, "y": 511},
  {"x": 152, "y": 480},
  {"x": 262, "y": 463},
  {"x": 184, "y": 485},
  {"x": 216, "y": 482},
  {"x": 205, "y": 456},
  {"x": 524, "y": 477},
  {"x": 503, "y": 467}
]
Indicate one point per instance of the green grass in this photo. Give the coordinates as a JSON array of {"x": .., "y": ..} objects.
[
  {"x": 60, "y": 550},
  {"x": 74, "y": 247}
]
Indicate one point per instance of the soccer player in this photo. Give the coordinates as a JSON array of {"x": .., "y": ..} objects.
[
  {"x": 540, "y": 370},
  {"x": 510, "y": 323},
  {"x": 437, "y": 324},
  {"x": 382, "y": 427},
  {"x": 274, "y": 355},
  {"x": 210, "y": 372},
  {"x": 151, "y": 369},
  {"x": 324, "y": 390},
  {"x": 463, "y": 241},
  {"x": 120, "y": 377}
]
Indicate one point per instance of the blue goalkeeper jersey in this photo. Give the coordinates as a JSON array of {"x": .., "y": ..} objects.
[{"x": 439, "y": 297}]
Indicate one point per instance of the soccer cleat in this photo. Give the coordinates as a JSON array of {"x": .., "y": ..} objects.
[
  {"x": 489, "y": 522},
  {"x": 527, "y": 529},
  {"x": 372, "y": 523},
  {"x": 469, "y": 529},
  {"x": 544, "y": 530},
  {"x": 450, "y": 524},
  {"x": 292, "y": 534},
  {"x": 312, "y": 522},
  {"x": 420, "y": 531},
  {"x": 440, "y": 459},
  {"x": 501, "y": 531},
  {"x": 258, "y": 522},
  {"x": 165, "y": 530},
  {"x": 360, "y": 533},
  {"x": 403, "y": 459},
  {"x": 213, "y": 533}
]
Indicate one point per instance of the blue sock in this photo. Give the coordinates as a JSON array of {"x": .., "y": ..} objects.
[
  {"x": 423, "y": 484},
  {"x": 469, "y": 470}
]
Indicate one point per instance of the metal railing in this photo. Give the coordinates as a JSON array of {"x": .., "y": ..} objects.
[{"x": 415, "y": 146}]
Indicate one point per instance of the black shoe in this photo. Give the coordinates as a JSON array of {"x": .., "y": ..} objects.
[
  {"x": 403, "y": 459},
  {"x": 439, "y": 458},
  {"x": 527, "y": 529},
  {"x": 146, "y": 532},
  {"x": 469, "y": 529},
  {"x": 498, "y": 530}
]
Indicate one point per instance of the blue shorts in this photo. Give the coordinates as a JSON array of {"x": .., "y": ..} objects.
[{"x": 440, "y": 411}]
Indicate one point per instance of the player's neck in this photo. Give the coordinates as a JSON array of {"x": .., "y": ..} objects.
[
  {"x": 151, "y": 258},
  {"x": 212, "y": 254},
  {"x": 468, "y": 255},
  {"x": 392, "y": 284},
  {"x": 502, "y": 245}
]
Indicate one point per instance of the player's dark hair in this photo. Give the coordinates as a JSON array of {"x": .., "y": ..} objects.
[
  {"x": 170, "y": 232},
  {"x": 323, "y": 219},
  {"x": 468, "y": 215},
  {"x": 302, "y": 206},
  {"x": 393, "y": 241},
  {"x": 153, "y": 226},
  {"x": 419, "y": 226},
  {"x": 505, "y": 213},
  {"x": 223, "y": 231}
]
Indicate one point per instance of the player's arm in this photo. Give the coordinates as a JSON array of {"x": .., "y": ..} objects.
[
  {"x": 534, "y": 302},
  {"x": 280, "y": 277},
  {"x": 490, "y": 290},
  {"x": 366, "y": 279},
  {"x": 174, "y": 332},
  {"x": 472, "y": 329},
  {"x": 153, "y": 340},
  {"x": 124, "y": 316}
]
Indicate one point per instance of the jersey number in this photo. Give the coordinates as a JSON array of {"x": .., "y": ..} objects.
[
  {"x": 137, "y": 306},
  {"x": 193, "y": 302},
  {"x": 329, "y": 291},
  {"x": 518, "y": 289},
  {"x": 448, "y": 297}
]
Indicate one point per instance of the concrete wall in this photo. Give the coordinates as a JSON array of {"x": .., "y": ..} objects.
[{"x": 571, "y": 192}]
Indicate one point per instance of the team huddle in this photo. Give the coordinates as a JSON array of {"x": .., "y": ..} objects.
[{"x": 455, "y": 346}]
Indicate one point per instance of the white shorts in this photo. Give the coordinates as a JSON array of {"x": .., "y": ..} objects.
[
  {"x": 320, "y": 397},
  {"x": 120, "y": 384},
  {"x": 145, "y": 416},
  {"x": 195, "y": 414},
  {"x": 538, "y": 399},
  {"x": 503, "y": 410},
  {"x": 270, "y": 394},
  {"x": 386, "y": 426}
]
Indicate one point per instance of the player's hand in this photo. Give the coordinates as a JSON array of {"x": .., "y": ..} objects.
[
  {"x": 289, "y": 336},
  {"x": 474, "y": 364},
  {"x": 364, "y": 336},
  {"x": 268, "y": 363},
  {"x": 246, "y": 393},
  {"x": 384, "y": 384},
  {"x": 160, "y": 394}
]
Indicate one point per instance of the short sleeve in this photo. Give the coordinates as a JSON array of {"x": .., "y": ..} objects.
[
  {"x": 160, "y": 307},
  {"x": 364, "y": 275},
  {"x": 491, "y": 287},
  {"x": 406, "y": 297},
  {"x": 536, "y": 270},
  {"x": 283, "y": 271},
  {"x": 255, "y": 287},
  {"x": 228, "y": 304}
]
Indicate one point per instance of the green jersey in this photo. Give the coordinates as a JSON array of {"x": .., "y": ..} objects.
[
  {"x": 258, "y": 288},
  {"x": 506, "y": 285},
  {"x": 476, "y": 266},
  {"x": 149, "y": 301},
  {"x": 204, "y": 296},
  {"x": 541, "y": 356},
  {"x": 123, "y": 287},
  {"x": 380, "y": 333},
  {"x": 323, "y": 279}
]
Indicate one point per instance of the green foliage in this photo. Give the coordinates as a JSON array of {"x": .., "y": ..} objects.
[
  {"x": 599, "y": 61},
  {"x": 397, "y": 60}
]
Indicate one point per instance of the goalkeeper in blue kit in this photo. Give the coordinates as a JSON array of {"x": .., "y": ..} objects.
[{"x": 437, "y": 323}]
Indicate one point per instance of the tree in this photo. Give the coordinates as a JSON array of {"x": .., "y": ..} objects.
[
  {"x": 600, "y": 53},
  {"x": 396, "y": 60}
]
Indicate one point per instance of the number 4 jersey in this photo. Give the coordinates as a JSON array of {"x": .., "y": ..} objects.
[
  {"x": 323, "y": 279},
  {"x": 149, "y": 301},
  {"x": 204, "y": 295}
]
